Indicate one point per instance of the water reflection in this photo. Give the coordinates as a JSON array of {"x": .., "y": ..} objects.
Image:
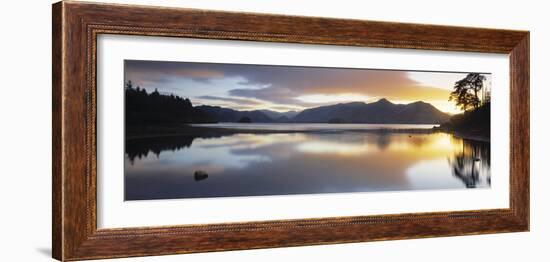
[
  {"x": 301, "y": 163},
  {"x": 471, "y": 162},
  {"x": 140, "y": 148}
]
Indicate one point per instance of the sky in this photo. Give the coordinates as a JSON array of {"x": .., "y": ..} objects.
[{"x": 290, "y": 88}]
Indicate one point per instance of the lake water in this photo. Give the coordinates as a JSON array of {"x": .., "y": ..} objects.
[
  {"x": 313, "y": 127},
  {"x": 195, "y": 166}
]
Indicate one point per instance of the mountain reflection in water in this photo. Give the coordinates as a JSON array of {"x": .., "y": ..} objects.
[{"x": 301, "y": 163}]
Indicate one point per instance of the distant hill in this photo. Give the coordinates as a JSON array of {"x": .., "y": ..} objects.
[
  {"x": 278, "y": 115},
  {"x": 379, "y": 112},
  {"x": 230, "y": 115}
]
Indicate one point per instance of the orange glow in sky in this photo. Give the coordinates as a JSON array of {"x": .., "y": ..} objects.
[{"x": 292, "y": 88}]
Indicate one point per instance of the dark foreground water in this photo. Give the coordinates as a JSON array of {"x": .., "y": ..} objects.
[{"x": 301, "y": 163}]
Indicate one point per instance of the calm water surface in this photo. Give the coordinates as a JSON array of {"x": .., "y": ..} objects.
[
  {"x": 301, "y": 163},
  {"x": 313, "y": 127}
]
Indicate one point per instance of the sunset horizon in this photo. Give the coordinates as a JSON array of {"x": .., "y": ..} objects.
[
  {"x": 281, "y": 89},
  {"x": 198, "y": 130}
]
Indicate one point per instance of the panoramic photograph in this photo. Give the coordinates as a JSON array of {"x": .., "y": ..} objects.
[{"x": 200, "y": 130}]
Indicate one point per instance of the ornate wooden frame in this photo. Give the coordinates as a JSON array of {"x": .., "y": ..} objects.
[{"x": 76, "y": 26}]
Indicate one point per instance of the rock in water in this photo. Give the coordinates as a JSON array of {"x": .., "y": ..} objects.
[{"x": 200, "y": 175}]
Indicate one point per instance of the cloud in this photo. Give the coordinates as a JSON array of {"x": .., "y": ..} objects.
[
  {"x": 280, "y": 95},
  {"x": 284, "y": 85},
  {"x": 242, "y": 101},
  {"x": 159, "y": 72}
]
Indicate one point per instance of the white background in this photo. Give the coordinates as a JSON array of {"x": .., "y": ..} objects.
[
  {"x": 114, "y": 212},
  {"x": 25, "y": 136}
]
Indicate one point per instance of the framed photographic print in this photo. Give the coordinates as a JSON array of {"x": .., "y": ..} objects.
[{"x": 182, "y": 130}]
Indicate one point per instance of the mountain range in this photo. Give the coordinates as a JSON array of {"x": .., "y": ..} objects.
[
  {"x": 379, "y": 112},
  {"x": 277, "y": 115},
  {"x": 222, "y": 114}
]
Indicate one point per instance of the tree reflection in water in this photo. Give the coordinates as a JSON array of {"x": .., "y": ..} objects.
[
  {"x": 221, "y": 164},
  {"x": 472, "y": 162},
  {"x": 141, "y": 147}
]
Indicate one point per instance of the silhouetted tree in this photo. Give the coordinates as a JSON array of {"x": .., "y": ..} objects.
[
  {"x": 128, "y": 85},
  {"x": 144, "y": 109},
  {"x": 466, "y": 91}
]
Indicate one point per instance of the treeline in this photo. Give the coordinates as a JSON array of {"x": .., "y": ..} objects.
[
  {"x": 144, "y": 108},
  {"x": 472, "y": 96},
  {"x": 474, "y": 122}
]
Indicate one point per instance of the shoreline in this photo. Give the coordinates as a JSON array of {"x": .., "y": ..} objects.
[
  {"x": 465, "y": 135},
  {"x": 133, "y": 133},
  {"x": 472, "y": 137}
]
